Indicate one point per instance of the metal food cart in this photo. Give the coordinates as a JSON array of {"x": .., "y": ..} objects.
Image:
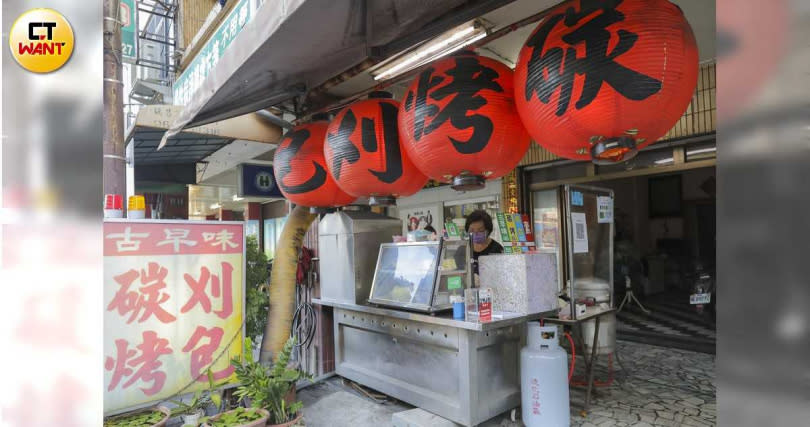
[{"x": 467, "y": 372}]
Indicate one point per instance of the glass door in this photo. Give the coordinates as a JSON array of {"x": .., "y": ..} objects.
[{"x": 548, "y": 228}]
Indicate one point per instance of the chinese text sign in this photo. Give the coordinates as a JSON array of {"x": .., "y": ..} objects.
[
  {"x": 173, "y": 308},
  {"x": 191, "y": 79}
]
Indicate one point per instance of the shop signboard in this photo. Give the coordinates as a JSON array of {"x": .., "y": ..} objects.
[
  {"x": 256, "y": 180},
  {"x": 206, "y": 59},
  {"x": 129, "y": 31},
  {"x": 173, "y": 308}
]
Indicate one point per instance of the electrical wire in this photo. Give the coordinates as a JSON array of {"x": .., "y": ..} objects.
[
  {"x": 303, "y": 325},
  {"x": 304, "y": 321}
]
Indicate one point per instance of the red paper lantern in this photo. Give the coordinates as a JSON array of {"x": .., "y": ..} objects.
[
  {"x": 599, "y": 80},
  {"x": 459, "y": 122},
  {"x": 364, "y": 155},
  {"x": 300, "y": 168}
]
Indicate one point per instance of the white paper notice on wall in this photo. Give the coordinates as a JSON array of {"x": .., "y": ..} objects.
[
  {"x": 580, "y": 229},
  {"x": 604, "y": 209}
]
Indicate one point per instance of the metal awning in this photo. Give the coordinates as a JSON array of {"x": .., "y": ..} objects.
[
  {"x": 295, "y": 45},
  {"x": 194, "y": 144}
]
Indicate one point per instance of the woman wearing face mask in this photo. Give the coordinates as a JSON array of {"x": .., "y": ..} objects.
[{"x": 479, "y": 225}]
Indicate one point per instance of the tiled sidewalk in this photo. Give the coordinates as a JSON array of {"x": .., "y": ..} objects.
[{"x": 662, "y": 387}]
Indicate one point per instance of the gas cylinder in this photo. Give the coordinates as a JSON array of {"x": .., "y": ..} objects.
[{"x": 544, "y": 379}]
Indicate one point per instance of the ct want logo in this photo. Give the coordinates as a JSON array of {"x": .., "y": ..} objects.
[
  {"x": 264, "y": 182},
  {"x": 41, "y": 40}
]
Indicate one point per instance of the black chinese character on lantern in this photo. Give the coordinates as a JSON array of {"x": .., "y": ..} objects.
[
  {"x": 344, "y": 149},
  {"x": 284, "y": 164},
  {"x": 556, "y": 67},
  {"x": 469, "y": 77}
]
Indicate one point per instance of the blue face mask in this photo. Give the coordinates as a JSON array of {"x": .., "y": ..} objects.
[{"x": 479, "y": 237}]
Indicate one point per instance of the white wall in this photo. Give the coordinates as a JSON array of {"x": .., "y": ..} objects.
[{"x": 435, "y": 199}]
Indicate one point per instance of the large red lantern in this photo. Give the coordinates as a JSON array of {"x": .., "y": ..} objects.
[
  {"x": 599, "y": 80},
  {"x": 364, "y": 154},
  {"x": 459, "y": 123},
  {"x": 300, "y": 168}
]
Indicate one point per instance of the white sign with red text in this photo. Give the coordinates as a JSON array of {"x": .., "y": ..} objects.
[{"x": 173, "y": 307}]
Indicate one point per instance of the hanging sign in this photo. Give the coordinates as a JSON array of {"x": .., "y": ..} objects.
[
  {"x": 173, "y": 308},
  {"x": 257, "y": 181}
]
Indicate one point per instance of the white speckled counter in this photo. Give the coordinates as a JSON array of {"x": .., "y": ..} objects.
[{"x": 521, "y": 283}]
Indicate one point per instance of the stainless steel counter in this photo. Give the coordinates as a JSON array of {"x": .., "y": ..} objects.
[
  {"x": 466, "y": 372},
  {"x": 499, "y": 319}
]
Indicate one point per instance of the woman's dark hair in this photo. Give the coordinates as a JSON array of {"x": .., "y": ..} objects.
[
  {"x": 429, "y": 228},
  {"x": 479, "y": 215}
]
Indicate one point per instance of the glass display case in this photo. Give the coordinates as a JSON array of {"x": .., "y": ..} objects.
[
  {"x": 421, "y": 276},
  {"x": 576, "y": 223}
]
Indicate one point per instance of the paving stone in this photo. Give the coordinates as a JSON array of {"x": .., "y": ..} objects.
[
  {"x": 647, "y": 418},
  {"x": 694, "y": 422},
  {"x": 679, "y": 418},
  {"x": 695, "y": 401},
  {"x": 620, "y": 413},
  {"x": 654, "y": 406},
  {"x": 641, "y": 424},
  {"x": 691, "y": 411},
  {"x": 600, "y": 420},
  {"x": 666, "y": 415},
  {"x": 664, "y": 422}
]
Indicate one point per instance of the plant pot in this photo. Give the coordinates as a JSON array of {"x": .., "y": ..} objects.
[
  {"x": 290, "y": 423},
  {"x": 167, "y": 414},
  {"x": 165, "y": 411},
  {"x": 261, "y": 422},
  {"x": 193, "y": 419}
]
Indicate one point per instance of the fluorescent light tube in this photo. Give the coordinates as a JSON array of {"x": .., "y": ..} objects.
[{"x": 440, "y": 46}]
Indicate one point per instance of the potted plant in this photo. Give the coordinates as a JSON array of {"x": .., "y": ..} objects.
[
  {"x": 239, "y": 417},
  {"x": 152, "y": 417},
  {"x": 193, "y": 411},
  {"x": 270, "y": 388}
]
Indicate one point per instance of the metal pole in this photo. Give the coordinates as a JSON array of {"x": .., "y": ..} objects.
[{"x": 114, "y": 157}]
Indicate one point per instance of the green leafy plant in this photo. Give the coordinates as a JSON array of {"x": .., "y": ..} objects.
[
  {"x": 268, "y": 387},
  {"x": 234, "y": 418},
  {"x": 257, "y": 302},
  {"x": 201, "y": 399},
  {"x": 139, "y": 419}
]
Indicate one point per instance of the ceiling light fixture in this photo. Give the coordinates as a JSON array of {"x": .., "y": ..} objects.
[
  {"x": 701, "y": 150},
  {"x": 442, "y": 45}
]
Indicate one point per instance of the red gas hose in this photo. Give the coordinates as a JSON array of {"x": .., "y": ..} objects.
[{"x": 573, "y": 357}]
